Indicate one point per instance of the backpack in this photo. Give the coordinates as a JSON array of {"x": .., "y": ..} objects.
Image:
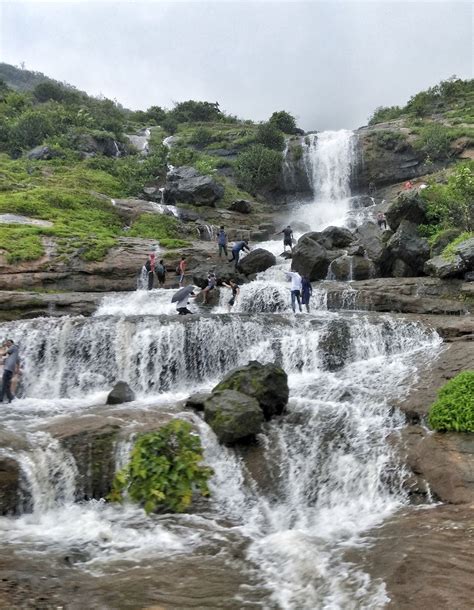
[{"x": 160, "y": 270}]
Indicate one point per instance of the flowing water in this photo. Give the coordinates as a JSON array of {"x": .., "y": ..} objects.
[{"x": 281, "y": 514}]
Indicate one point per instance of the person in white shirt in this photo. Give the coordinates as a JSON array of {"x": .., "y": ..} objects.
[{"x": 295, "y": 278}]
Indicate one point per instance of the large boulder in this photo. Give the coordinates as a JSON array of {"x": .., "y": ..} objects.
[
  {"x": 224, "y": 271},
  {"x": 310, "y": 258},
  {"x": 256, "y": 261},
  {"x": 242, "y": 206},
  {"x": 373, "y": 241},
  {"x": 267, "y": 383},
  {"x": 409, "y": 247},
  {"x": 408, "y": 206},
  {"x": 233, "y": 416},
  {"x": 466, "y": 251},
  {"x": 335, "y": 345},
  {"x": 197, "y": 401},
  {"x": 121, "y": 392},
  {"x": 347, "y": 268},
  {"x": 443, "y": 268},
  {"x": 443, "y": 239},
  {"x": 185, "y": 185},
  {"x": 336, "y": 237}
]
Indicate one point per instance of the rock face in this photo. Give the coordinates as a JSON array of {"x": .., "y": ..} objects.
[
  {"x": 310, "y": 258},
  {"x": 233, "y": 416},
  {"x": 347, "y": 268},
  {"x": 466, "y": 251},
  {"x": 336, "y": 237},
  {"x": 334, "y": 345},
  {"x": 408, "y": 206},
  {"x": 442, "y": 268},
  {"x": 443, "y": 239},
  {"x": 256, "y": 261},
  {"x": 9, "y": 485},
  {"x": 267, "y": 383},
  {"x": 130, "y": 209},
  {"x": 242, "y": 206},
  {"x": 186, "y": 185},
  {"x": 372, "y": 239},
  {"x": 409, "y": 247},
  {"x": 120, "y": 393}
]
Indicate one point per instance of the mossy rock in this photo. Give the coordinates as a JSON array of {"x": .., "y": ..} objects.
[
  {"x": 267, "y": 383},
  {"x": 335, "y": 345},
  {"x": 233, "y": 416}
]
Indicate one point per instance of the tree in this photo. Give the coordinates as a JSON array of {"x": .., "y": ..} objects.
[
  {"x": 284, "y": 121},
  {"x": 270, "y": 136},
  {"x": 258, "y": 167},
  {"x": 192, "y": 111}
]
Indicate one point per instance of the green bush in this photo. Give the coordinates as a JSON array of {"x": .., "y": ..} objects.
[
  {"x": 454, "y": 408},
  {"x": 165, "y": 470},
  {"x": 270, "y": 136},
  {"x": 284, "y": 121},
  {"x": 258, "y": 167},
  {"x": 389, "y": 139},
  {"x": 201, "y": 137},
  {"x": 433, "y": 140},
  {"x": 383, "y": 114}
]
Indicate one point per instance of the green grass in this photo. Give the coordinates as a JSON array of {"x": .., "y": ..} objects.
[
  {"x": 162, "y": 228},
  {"x": 454, "y": 408}
]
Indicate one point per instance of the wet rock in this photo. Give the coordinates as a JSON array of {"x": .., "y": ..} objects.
[
  {"x": 196, "y": 401},
  {"x": 256, "y": 261},
  {"x": 408, "y": 206},
  {"x": 409, "y": 247},
  {"x": 185, "y": 185},
  {"x": 310, "y": 258},
  {"x": 347, "y": 268},
  {"x": 233, "y": 416},
  {"x": 224, "y": 271},
  {"x": 242, "y": 206},
  {"x": 121, "y": 392},
  {"x": 401, "y": 269},
  {"x": 469, "y": 276},
  {"x": 336, "y": 237},
  {"x": 335, "y": 345},
  {"x": 372, "y": 240},
  {"x": 264, "y": 231},
  {"x": 442, "y": 268},
  {"x": 130, "y": 209},
  {"x": 212, "y": 297},
  {"x": 443, "y": 239},
  {"x": 267, "y": 383},
  {"x": 9, "y": 485}
]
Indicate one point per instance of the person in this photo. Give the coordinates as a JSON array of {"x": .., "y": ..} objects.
[
  {"x": 222, "y": 242},
  {"x": 408, "y": 185},
  {"x": 182, "y": 306},
  {"x": 235, "y": 292},
  {"x": 211, "y": 284},
  {"x": 287, "y": 238},
  {"x": 295, "y": 278},
  {"x": 237, "y": 248},
  {"x": 306, "y": 292},
  {"x": 10, "y": 366},
  {"x": 181, "y": 270},
  {"x": 150, "y": 267},
  {"x": 160, "y": 271},
  {"x": 381, "y": 220}
]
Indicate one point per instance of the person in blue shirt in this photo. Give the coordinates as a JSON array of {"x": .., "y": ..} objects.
[
  {"x": 306, "y": 292},
  {"x": 237, "y": 248},
  {"x": 222, "y": 242}
]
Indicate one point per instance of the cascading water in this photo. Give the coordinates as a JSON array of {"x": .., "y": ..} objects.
[{"x": 328, "y": 158}]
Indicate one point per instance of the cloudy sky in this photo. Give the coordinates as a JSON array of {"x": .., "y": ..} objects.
[{"x": 328, "y": 63}]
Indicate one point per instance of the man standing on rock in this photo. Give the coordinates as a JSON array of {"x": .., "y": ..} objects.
[
  {"x": 222, "y": 242},
  {"x": 181, "y": 270},
  {"x": 10, "y": 365},
  {"x": 287, "y": 238},
  {"x": 296, "y": 282},
  {"x": 150, "y": 267},
  {"x": 237, "y": 249}
]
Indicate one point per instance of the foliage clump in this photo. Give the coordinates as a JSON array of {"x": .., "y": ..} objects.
[
  {"x": 258, "y": 167},
  {"x": 270, "y": 136},
  {"x": 165, "y": 470},
  {"x": 454, "y": 408},
  {"x": 285, "y": 122}
]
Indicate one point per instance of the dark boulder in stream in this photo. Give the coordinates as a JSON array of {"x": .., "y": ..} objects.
[
  {"x": 233, "y": 416},
  {"x": 121, "y": 392}
]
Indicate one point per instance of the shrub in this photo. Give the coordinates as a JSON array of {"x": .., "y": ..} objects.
[
  {"x": 270, "y": 136},
  {"x": 433, "y": 141},
  {"x": 257, "y": 167},
  {"x": 192, "y": 111},
  {"x": 284, "y": 121},
  {"x": 389, "y": 139},
  {"x": 385, "y": 113},
  {"x": 202, "y": 136},
  {"x": 454, "y": 408},
  {"x": 165, "y": 470}
]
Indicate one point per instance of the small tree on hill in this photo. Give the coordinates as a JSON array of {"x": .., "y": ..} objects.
[
  {"x": 270, "y": 136},
  {"x": 284, "y": 121}
]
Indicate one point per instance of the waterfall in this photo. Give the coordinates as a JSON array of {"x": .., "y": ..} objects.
[{"x": 328, "y": 159}]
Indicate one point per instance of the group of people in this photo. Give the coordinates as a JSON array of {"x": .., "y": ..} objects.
[
  {"x": 10, "y": 355},
  {"x": 237, "y": 248},
  {"x": 153, "y": 268},
  {"x": 301, "y": 290}
]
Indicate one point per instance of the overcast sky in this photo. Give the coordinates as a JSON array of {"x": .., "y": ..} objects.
[{"x": 328, "y": 63}]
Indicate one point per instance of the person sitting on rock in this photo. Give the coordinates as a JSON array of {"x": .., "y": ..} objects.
[
  {"x": 222, "y": 242},
  {"x": 211, "y": 284},
  {"x": 150, "y": 267},
  {"x": 381, "y": 220},
  {"x": 235, "y": 292},
  {"x": 182, "y": 306},
  {"x": 160, "y": 271},
  {"x": 287, "y": 238},
  {"x": 237, "y": 248}
]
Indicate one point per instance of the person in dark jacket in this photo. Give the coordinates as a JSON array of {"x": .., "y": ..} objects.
[
  {"x": 306, "y": 292},
  {"x": 160, "y": 271},
  {"x": 150, "y": 267},
  {"x": 10, "y": 366},
  {"x": 237, "y": 248},
  {"x": 222, "y": 242}
]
